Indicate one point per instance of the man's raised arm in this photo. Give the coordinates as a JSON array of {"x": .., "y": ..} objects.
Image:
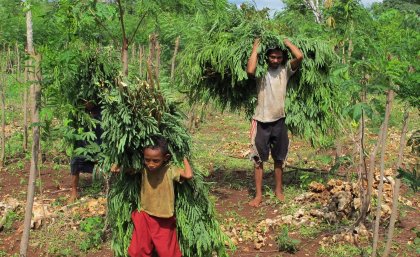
[{"x": 251, "y": 66}]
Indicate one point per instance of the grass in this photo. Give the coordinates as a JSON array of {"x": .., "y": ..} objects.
[
  {"x": 307, "y": 231},
  {"x": 339, "y": 250},
  {"x": 63, "y": 237},
  {"x": 218, "y": 148}
]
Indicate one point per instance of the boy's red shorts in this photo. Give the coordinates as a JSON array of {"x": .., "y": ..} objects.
[{"x": 153, "y": 233}]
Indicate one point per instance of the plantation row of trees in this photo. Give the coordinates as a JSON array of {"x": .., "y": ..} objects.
[{"x": 138, "y": 59}]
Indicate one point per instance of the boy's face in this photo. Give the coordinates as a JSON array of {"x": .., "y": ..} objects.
[{"x": 154, "y": 158}]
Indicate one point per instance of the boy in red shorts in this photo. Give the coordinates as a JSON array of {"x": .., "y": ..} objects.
[{"x": 154, "y": 224}]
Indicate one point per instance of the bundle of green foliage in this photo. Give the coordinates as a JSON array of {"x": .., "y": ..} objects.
[
  {"x": 212, "y": 66},
  {"x": 76, "y": 76},
  {"x": 131, "y": 114}
]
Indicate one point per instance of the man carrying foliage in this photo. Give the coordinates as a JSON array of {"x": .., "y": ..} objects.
[{"x": 268, "y": 130}]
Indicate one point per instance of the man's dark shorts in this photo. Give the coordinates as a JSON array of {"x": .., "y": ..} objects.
[
  {"x": 81, "y": 164},
  {"x": 269, "y": 136}
]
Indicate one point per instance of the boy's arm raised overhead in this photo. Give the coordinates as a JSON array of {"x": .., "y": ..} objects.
[{"x": 187, "y": 172}]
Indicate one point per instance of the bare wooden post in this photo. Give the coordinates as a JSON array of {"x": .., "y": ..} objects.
[
  {"x": 124, "y": 48},
  {"x": 402, "y": 139},
  {"x": 141, "y": 56},
  {"x": 389, "y": 99},
  {"x": 157, "y": 66},
  {"x": 25, "y": 108},
  {"x": 150, "y": 71},
  {"x": 3, "y": 110},
  {"x": 35, "y": 95},
  {"x": 394, "y": 215},
  {"x": 174, "y": 58},
  {"x": 363, "y": 172},
  {"x": 133, "y": 53}
]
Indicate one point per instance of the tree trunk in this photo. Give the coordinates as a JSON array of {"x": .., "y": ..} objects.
[
  {"x": 151, "y": 72},
  {"x": 157, "y": 66},
  {"x": 3, "y": 111},
  {"x": 124, "y": 48},
  {"x": 363, "y": 174},
  {"x": 25, "y": 109},
  {"x": 124, "y": 58},
  {"x": 141, "y": 56},
  {"x": 389, "y": 99},
  {"x": 314, "y": 6},
  {"x": 394, "y": 215},
  {"x": 133, "y": 53},
  {"x": 35, "y": 95},
  {"x": 174, "y": 58},
  {"x": 402, "y": 139}
]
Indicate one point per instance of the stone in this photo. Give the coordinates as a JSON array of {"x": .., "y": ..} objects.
[
  {"x": 287, "y": 219},
  {"x": 316, "y": 187}
]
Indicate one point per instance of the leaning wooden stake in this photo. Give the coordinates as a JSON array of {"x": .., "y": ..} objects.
[
  {"x": 402, "y": 139},
  {"x": 141, "y": 56},
  {"x": 174, "y": 58},
  {"x": 389, "y": 99},
  {"x": 394, "y": 215},
  {"x": 124, "y": 47},
  {"x": 3, "y": 112},
  {"x": 157, "y": 63},
  {"x": 35, "y": 95}
]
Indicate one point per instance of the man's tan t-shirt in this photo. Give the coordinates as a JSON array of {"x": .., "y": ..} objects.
[
  {"x": 272, "y": 94},
  {"x": 157, "y": 195}
]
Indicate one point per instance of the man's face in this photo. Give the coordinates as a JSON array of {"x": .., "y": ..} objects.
[
  {"x": 154, "y": 158},
  {"x": 275, "y": 58}
]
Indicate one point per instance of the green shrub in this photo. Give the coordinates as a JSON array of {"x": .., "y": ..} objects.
[{"x": 92, "y": 227}]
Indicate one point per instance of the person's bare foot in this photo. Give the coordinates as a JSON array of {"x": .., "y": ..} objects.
[
  {"x": 280, "y": 196},
  {"x": 255, "y": 202}
]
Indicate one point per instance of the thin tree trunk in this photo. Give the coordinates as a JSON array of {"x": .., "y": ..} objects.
[
  {"x": 3, "y": 112},
  {"x": 157, "y": 66},
  {"x": 133, "y": 53},
  {"x": 389, "y": 99},
  {"x": 25, "y": 109},
  {"x": 124, "y": 49},
  {"x": 402, "y": 139},
  {"x": 150, "y": 73},
  {"x": 362, "y": 170},
  {"x": 350, "y": 50},
  {"x": 124, "y": 53},
  {"x": 394, "y": 215},
  {"x": 35, "y": 95},
  {"x": 141, "y": 56},
  {"x": 174, "y": 58},
  {"x": 150, "y": 66}
]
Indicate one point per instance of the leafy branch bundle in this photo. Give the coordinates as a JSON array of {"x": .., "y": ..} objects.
[
  {"x": 212, "y": 66},
  {"x": 75, "y": 76},
  {"x": 130, "y": 116}
]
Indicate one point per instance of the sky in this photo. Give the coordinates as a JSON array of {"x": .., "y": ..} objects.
[{"x": 278, "y": 4}]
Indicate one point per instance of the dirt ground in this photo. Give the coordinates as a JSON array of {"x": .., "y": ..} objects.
[
  {"x": 56, "y": 185},
  {"x": 231, "y": 186}
]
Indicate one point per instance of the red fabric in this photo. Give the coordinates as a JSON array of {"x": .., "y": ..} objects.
[{"x": 153, "y": 233}]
